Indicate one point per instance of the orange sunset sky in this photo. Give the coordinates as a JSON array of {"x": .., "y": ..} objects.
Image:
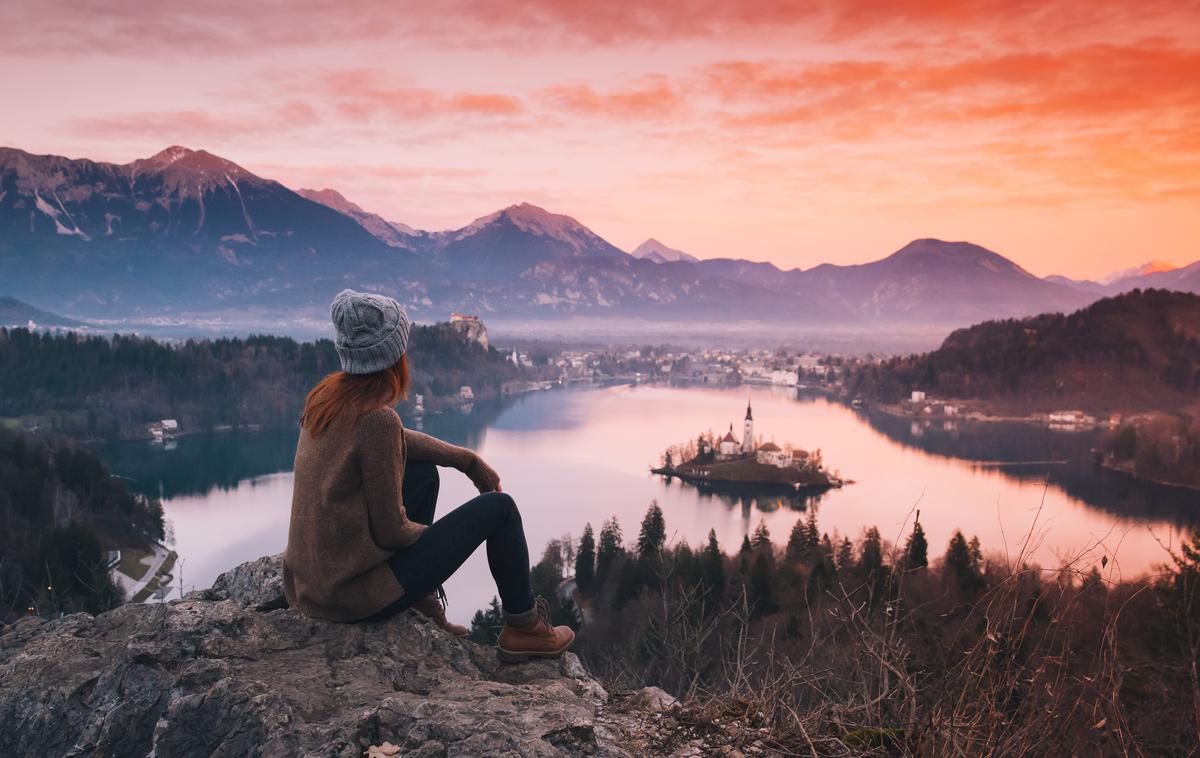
[{"x": 1065, "y": 135}]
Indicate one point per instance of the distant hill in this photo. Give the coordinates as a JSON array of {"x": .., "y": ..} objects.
[
  {"x": 111, "y": 387},
  {"x": 930, "y": 281},
  {"x": 185, "y": 234},
  {"x": 13, "y": 312},
  {"x": 1136, "y": 351}
]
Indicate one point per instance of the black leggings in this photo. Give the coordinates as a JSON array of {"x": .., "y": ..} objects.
[{"x": 443, "y": 547}]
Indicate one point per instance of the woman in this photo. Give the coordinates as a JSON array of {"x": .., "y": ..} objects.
[{"x": 362, "y": 544}]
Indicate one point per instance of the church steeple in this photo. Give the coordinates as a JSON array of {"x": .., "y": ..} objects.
[{"x": 748, "y": 430}]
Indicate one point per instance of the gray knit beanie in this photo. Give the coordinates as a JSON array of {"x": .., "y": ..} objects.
[{"x": 372, "y": 331}]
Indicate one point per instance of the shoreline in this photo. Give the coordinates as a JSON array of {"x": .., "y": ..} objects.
[
  {"x": 1039, "y": 419},
  {"x": 796, "y": 487},
  {"x": 1119, "y": 468}
]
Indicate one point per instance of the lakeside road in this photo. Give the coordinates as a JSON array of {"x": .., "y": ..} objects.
[{"x": 131, "y": 587}]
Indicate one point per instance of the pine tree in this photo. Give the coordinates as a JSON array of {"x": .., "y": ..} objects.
[
  {"x": 871, "y": 553},
  {"x": 653, "y": 535},
  {"x": 713, "y": 567},
  {"x": 585, "y": 561},
  {"x": 486, "y": 624},
  {"x": 962, "y": 564},
  {"x": 744, "y": 553},
  {"x": 629, "y": 584},
  {"x": 823, "y": 570},
  {"x": 610, "y": 549},
  {"x": 916, "y": 550},
  {"x": 797, "y": 544},
  {"x": 762, "y": 536},
  {"x": 686, "y": 565},
  {"x": 761, "y": 591},
  {"x": 845, "y": 555},
  {"x": 976, "y": 554}
]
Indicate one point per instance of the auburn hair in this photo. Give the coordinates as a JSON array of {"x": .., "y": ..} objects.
[{"x": 341, "y": 395}]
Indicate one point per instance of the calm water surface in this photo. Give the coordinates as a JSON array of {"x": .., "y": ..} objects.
[{"x": 580, "y": 455}]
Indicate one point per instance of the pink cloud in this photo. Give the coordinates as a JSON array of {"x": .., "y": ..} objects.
[{"x": 653, "y": 97}]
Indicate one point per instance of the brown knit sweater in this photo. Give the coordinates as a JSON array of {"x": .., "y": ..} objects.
[{"x": 348, "y": 517}]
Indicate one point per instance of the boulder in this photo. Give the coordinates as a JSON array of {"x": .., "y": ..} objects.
[
  {"x": 229, "y": 672},
  {"x": 257, "y": 583}
]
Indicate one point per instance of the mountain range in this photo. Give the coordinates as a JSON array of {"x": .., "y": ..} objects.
[
  {"x": 187, "y": 234},
  {"x": 13, "y": 312}
]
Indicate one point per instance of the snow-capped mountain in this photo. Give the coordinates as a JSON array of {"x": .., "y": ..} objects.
[
  {"x": 1183, "y": 279},
  {"x": 1149, "y": 267},
  {"x": 181, "y": 229},
  {"x": 653, "y": 250},
  {"x": 188, "y": 232},
  {"x": 1154, "y": 274}
]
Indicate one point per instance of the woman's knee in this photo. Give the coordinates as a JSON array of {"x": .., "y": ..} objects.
[{"x": 502, "y": 503}]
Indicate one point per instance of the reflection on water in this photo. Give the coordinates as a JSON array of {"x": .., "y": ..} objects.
[
  {"x": 1078, "y": 475},
  {"x": 581, "y": 455}
]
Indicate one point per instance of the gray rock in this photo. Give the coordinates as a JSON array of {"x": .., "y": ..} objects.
[
  {"x": 213, "y": 675},
  {"x": 652, "y": 699},
  {"x": 257, "y": 583}
]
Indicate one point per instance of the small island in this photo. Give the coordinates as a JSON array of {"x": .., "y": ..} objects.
[{"x": 730, "y": 463}]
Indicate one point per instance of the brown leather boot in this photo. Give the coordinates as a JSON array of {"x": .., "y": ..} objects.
[
  {"x": 431, "y": 606},
  {"x": 535, "y": 639}
]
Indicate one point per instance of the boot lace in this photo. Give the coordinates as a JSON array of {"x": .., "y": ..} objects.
[{"x": 543, "y": 609}]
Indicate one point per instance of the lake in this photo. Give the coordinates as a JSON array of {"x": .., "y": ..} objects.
[{"x": 581, "y": 454}]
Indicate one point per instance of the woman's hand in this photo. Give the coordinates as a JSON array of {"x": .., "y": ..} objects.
[{"x": 483, "y": 476}]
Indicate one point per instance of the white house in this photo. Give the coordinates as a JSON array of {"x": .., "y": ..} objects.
[
  {"x": 784, "y": 378},
  {"x": 772, "y": 455},
  {"x": 466, "y": 393},
  {"x": 918, "y": 396},
  {"x": 728, "y": 445}
]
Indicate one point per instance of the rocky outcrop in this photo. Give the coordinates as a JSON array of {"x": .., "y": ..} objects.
[{"x": 230, "y": 671}]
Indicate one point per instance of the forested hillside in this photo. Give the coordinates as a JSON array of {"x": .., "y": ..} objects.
[
  {"x": 1137, "y": 351},
  {"x": 111, "y": 387},
  {"x": 61, "y": 509},
  {"x": 828, "y": 645}
]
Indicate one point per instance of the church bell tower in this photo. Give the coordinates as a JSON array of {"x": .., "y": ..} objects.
[{"x": 748, "y": 433}]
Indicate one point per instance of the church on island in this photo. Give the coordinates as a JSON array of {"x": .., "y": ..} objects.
[
  {"x": 729, "y": 448},
  {"x": 728, "y": 461}
]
